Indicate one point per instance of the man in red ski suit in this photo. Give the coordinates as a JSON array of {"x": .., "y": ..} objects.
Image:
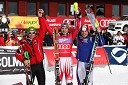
[
  {"x": 33, "y": 45},
  {"x": 64, "y": 44}
]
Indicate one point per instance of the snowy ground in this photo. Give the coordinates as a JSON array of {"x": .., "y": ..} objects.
[{"x": 102, "y": 76}]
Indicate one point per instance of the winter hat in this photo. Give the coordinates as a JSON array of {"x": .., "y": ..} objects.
[
  {"x": 31, "y": 29},
  {"x": 65, "y": 24},
  {"x": 84, "y": 28}
]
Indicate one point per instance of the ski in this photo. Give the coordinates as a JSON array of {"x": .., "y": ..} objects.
[
  {"x": 95, "y": 26},
  {"x": 55, "y": 36},
  {"x": 89, "y": 69},
  {"x": 27, "y": 70}
]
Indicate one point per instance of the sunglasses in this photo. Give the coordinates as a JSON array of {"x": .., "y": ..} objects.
[{"x": 32, "y": 32}]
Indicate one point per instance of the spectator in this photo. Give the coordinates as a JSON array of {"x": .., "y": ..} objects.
[
  {"x": 107, "y": 37},
  {"x": 125, "y": 35},
  {"x": 118, "y": 39},
  {"x": 48, "y": 40},
  {"x": 12, "y": 40}
]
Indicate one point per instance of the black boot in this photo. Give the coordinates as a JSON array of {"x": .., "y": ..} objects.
[{"x": 70, "y": 83}]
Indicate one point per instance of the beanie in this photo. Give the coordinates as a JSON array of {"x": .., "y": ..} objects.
[{"x": 31, "y": 29}]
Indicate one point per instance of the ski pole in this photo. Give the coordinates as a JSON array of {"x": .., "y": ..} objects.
[{"x": 107, "y": 61}]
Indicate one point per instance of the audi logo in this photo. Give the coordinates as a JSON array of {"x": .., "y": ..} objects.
[
  {"x": 63, "y": 46},
  {"x": 105, "y": 22},
  {"x": 69, "y": 21}
]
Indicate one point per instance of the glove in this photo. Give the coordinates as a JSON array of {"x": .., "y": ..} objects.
[
  {"x": 41, "y": 13},
  {"x": 26, "y": 63},
  {"x": 26, "y": 55},
  {"x": 91, "y": 61}
]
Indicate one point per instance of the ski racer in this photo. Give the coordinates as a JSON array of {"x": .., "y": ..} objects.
[
  {"x": 33, "y": 45},
  {"x": 84, "y": 52},
  {"x": 64, "y": 43}
]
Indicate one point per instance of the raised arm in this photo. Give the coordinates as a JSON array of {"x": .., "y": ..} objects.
[
  {"x": 43, "y": 23},
  {"x": 42, "y": 29},
  {"x": 78, "y": 25}
]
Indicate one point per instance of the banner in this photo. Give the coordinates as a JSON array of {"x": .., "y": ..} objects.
[
  {"x": 10, "y": 65},
  {"x": 8, "y": 62},
  {"x": 49, "y": 51},
  {"x": 117, "y": 54},
  {"x": 23, "y": 22},
  {"x": 100, "y": 58}
]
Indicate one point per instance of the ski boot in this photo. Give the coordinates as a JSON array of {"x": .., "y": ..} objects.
[{"x": 70, "y": 83}]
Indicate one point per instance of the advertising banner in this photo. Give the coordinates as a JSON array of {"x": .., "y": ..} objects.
[
  {"x": 49, "y": 51},
  {"x": 104, "y": 55},
  {"x": 117, "y": 54},
  {"x": 8, "y": 62},
  {"x": 23, "y": 22}
]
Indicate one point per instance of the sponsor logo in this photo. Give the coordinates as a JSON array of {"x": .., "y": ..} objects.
[
  {"x": 51, "y": 20},
  {"x": 63, "y": 46},
  {"x": 63, "y": 40},
  {"x": 29, "y": 22},
  {"x": 105, "y": 22},
  {"x": 69, "y": 21},
  {"x": 121, "y": 57},
  {"x": 9, "y": 62}
]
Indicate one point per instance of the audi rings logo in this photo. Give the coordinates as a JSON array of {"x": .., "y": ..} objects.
[
  {"x": 69, "y": 21},
  {"x": 122, "y": 54},
  {"x": 105, "y": 22},
  {"x": 63, "y": 46}
]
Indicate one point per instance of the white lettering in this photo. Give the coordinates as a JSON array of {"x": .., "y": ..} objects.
[
  {"x": 10, "y": 62},
  {"x": 54, "y": 24},
  {"x": 62, "y": 40},
  {"x": 4, "y": 61},
  {"x": 51, "y": 20},
  {"x": 16, "y": 62}
]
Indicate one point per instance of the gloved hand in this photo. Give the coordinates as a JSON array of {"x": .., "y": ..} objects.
[
  {"x": 26, "y": 63},
  {"x": 41, "y": 13},
  {"x": 91, "y": 61},
  {"x": 78, "y": 14}
]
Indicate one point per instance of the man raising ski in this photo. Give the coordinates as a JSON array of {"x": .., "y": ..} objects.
[
  {"x": 64, "y": 44},
  {"x": 32, "y": 46},
  {"x": 85, "y": 49}
]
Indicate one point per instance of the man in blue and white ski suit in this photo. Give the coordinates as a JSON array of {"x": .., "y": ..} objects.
[{"x": 84, "y": 53}]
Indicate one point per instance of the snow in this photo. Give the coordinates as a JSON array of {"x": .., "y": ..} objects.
[{"x": 101, "y": 76}]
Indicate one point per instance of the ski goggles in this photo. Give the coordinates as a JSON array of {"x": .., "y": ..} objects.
[{"x": 32, "y": 33}]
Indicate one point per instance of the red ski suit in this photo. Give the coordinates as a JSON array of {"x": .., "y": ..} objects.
[
  {"x": 35, "y": 48},
  {"x": 2, "y": 43},
  {"x": 64, "y": 44}
]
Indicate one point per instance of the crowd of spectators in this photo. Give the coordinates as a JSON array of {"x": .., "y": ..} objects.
[
  {"x": 12, "y": 38},
  {"x": 117, "y": 39}
]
